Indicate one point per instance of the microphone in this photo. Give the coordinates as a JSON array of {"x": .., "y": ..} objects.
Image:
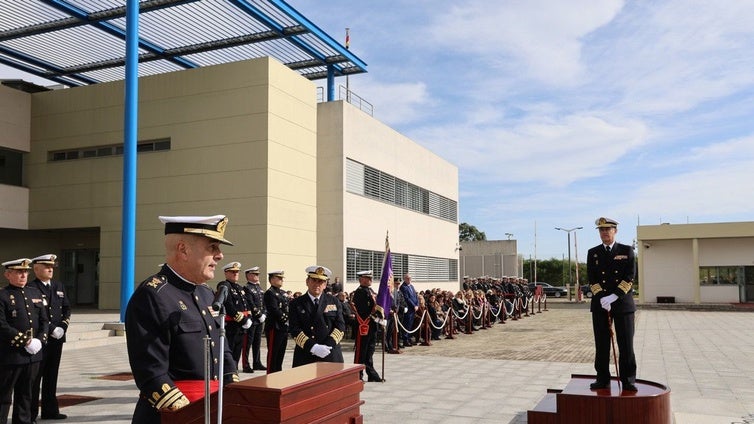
[{"x": 220, "y": 296}]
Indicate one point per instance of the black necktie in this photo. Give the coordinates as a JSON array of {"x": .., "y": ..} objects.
[
  {"x": 607, "y": 248},
  {"x": 316, "y": 303}
]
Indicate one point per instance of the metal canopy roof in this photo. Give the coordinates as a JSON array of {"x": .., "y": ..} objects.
[{"x": 79, "y": 42}]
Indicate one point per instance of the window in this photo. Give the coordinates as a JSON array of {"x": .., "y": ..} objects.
[
  {"x": 101, "y": 151},
  {"x": 11, "y": 167},
  {"x": 722, "y": 275},
  {"x": 421, "y": 268},
  {"x": 367, "y": 181}
]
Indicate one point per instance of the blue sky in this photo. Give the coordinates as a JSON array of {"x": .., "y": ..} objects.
[{"x": 558, "y": 112}]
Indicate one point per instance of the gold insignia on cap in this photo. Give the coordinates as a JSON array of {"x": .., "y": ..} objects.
[
  {"x": 221, "y": 227},
  {"x": 318, "y": 273}
]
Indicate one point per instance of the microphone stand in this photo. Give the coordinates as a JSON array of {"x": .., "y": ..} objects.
[
  {"x": 221, "y": 376},
  {"x": 207, "y": 373}
]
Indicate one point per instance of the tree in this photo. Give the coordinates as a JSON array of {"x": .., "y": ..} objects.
[
  {"x": 468, "y": 232},
  {"x": 554, "y": 271}
]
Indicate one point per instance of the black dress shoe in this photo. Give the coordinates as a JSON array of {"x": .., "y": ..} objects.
[
  {"x": 599, "y": 385},
  {"x": 375, "y": 380},
  {"x": 628, "y": 387},
  {"x": 247, "y": 369},
  {"x": 260, "y": 367},
  {"x": 57, "y": 416}
]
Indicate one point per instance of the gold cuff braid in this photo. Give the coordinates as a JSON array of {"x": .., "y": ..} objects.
[
  {"x": 336, "y": 335},
  {"x": 301, "y": 339},
  {"x": 171, "y": 398},
  {"x": 625, "y": 286},
  {"x": 595, "y": 288}
]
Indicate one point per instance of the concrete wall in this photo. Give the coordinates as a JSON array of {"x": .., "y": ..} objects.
[
  {"x": 15, "y": 119},
  {"x": 15, "y": 134},
  {"x": 365, "y": 221}
]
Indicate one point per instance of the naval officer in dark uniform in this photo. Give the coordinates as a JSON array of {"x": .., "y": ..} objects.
[
  {"x": 169, "y": 315},
  {"x": 611, "y": 267},
  {"x": 316, "y": 321},
  {"x": 276, "y": 324},
  {"x": 59, "y": 313},
  {"x": 237, "y": 319},
  {"x": 367, "y": 315},
  {"x": 253, "y": 338},
  {"x": 23, "y": 333}
]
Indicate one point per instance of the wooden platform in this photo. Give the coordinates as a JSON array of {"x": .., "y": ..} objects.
[
  {"x": 320, "y": 393},
  {"x": 578, "y": 404}
]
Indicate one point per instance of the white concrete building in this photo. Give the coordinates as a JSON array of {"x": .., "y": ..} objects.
[{"x": 696, "y": 263}]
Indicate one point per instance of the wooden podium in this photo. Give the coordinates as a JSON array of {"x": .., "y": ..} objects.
[
  {"x": 578, "y": 404},
  {"x": 321, "y": 393}
]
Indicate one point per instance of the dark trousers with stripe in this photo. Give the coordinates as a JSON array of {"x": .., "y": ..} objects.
[
  {"x": 15, "y": 387},
  {"x": 364, "y": 353},
  {"x": 48, "y": 379},
  {"x": 252, "y": 341},
  {"x": 624, "y": 337},
  {"x": 277, "y": 340}
]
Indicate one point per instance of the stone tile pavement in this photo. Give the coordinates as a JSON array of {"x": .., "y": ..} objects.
[{"x": 495, "y": 375}]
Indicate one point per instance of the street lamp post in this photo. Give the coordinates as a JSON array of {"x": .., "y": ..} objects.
[{"x": 570, "y": 278}]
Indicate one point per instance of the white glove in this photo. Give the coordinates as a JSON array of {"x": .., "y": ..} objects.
[
  {"x": 321, "y": 350},
  {"x": 405, "y": 309},
  {"x": 246, "y": 324},
  {"x": 607, "y": 300},
  {"x": 58, "y": 332},
  {"x": 262, "y": 318},
  {"x": 34, "y": 346}
]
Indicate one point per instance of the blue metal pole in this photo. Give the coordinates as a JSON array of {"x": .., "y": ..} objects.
[
  {"x": 128, "y": 237},
  {"x": 330, "y": 83}
]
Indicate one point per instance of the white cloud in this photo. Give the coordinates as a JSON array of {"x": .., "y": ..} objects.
[
  {"x": 555, "y": 152},
  {"x": 540, "y": 40},
  {"x": 713, "y": 192}
]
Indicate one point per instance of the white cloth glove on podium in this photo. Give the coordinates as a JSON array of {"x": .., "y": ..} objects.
[
  {"x": 34, "y": 346},
  {"x": 262, "y": 318},
  {"x": 58, "y": 332},
  {"x": 321, "y": 350},
  {"x": 246, "y": 324},
  {"x": 607, "y": 300}
]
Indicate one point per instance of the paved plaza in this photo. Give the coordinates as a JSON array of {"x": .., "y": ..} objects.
[{"x": 493, "y": 375}]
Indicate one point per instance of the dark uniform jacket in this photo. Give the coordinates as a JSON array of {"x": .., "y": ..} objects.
[
  {"x": 276, "y": 303},
  {"x": 58, "y": 306},
  {"x": 612, "y": 273},
  {"x": 323, "y": 326},
  {"x": 166, "y": 321},
  {"x": 255, "y": 301},
  {"x": 22, "y": 317},
  {"x": 364, "y": 300},
  {"x": 236, "y": 309}
]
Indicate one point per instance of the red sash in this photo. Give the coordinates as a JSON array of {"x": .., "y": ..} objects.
[
  {"x": 228, "y": 318},
  {"x": 194, "y": 389}
]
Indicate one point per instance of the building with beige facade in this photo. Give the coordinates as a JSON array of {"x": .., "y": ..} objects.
[
  {"x": 246, "y": 139},
  {"x": 491, "y": 258},
  {"x": 696, "y": 263}
]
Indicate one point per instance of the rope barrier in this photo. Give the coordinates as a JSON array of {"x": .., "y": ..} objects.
[
  {"x": 441, "y": 325},
  {"x": 464, "y": 314},
  {"x": 415, "y": 329}
]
